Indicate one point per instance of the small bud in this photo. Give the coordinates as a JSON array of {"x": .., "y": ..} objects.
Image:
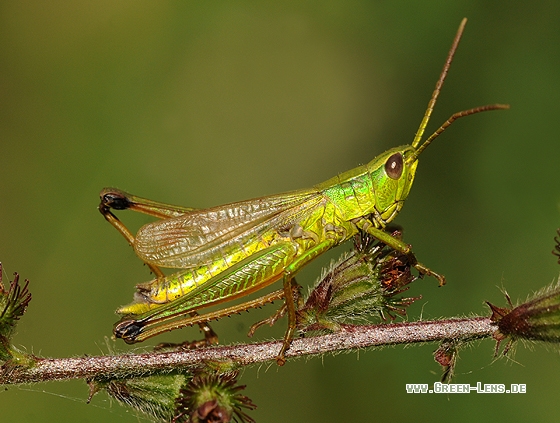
[
  {"x": 13, "y": 303},
  {"x": 359, "y": 284},
  {"x": 537, "y": 319},
  {"x": 446, "y": 356},
  {"x": 213, "y": 398},
  {"x": 155, "y": 396},
  {"x": 556, "y": 250}
]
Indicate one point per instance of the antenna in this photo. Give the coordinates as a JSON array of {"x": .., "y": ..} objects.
[{"x": 433, "y": 99}]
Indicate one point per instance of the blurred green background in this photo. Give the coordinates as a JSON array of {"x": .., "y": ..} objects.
[{"x": 204, "y": 103}]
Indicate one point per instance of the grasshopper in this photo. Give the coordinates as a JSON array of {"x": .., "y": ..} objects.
[{"x": 229, "y": 251}]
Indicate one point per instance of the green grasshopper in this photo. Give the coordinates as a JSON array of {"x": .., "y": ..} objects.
[{"x": 227, "y": 252}]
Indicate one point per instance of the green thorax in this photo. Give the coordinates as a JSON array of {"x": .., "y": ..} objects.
[{"x": 369, "y": 190}]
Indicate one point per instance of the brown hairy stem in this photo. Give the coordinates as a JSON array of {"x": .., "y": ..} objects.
[{"x": 350, "y": 337}]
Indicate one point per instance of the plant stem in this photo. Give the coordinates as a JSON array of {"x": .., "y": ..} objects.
[{"x": 350, "y": 337}]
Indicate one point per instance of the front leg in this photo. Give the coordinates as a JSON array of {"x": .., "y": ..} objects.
[{"x": 397, "y": 244}]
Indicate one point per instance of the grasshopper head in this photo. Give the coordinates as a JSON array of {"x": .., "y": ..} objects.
[{"x": 392, "y": 174}]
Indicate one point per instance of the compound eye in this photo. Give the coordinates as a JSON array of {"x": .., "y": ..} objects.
[{"x": 394, "y": 166}]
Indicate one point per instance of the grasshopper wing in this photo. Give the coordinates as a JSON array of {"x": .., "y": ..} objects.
[{"x": 200, "y": 236}]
